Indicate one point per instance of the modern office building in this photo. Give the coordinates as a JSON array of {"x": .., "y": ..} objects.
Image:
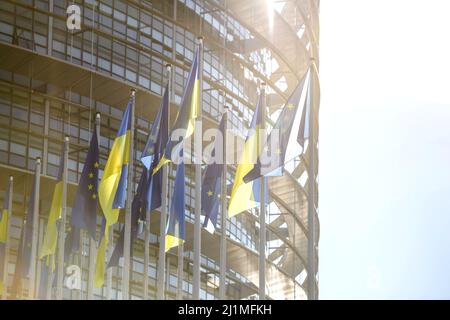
[{"x": 53, "y": 80}]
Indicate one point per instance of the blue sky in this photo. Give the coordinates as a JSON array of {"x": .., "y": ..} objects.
[{"x": 384, "y": 149}]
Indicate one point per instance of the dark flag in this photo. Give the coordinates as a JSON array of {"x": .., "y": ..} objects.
[
  {"x": 211, "y": 185},
  {"x": 138, "y": 206},
  {"x": 292, "y": 129},
  {"x": 84, "y": 211},
  {"x": 153, "y": 151}
]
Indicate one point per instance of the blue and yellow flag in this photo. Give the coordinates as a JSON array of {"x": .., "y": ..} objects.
[
  {"x": 188, "y": 113},
  {"x": 4, "y": 217},
  {"x": 211, "y": 185},
  {"x": 289, "y": 134},
  {"x": 112, "y": 188},
  {"x": 245, "y": 196},
  {"x": 176, "y": 226},
  {"x": 84, "y": 209},
  {"x": 49, "y": 243},
  {"x": 153, "y": 151}
]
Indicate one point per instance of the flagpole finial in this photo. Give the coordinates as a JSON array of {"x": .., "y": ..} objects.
[
  {"x": 262, "y": 85},
  {"x": 11, "y": 178},
  {"x": 133, "y": 92}
]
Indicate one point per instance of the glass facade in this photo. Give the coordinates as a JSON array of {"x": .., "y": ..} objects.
[{"x": 129, "y": 43}]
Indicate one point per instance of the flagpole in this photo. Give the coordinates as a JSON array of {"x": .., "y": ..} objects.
[
  {"x": 311, "y": 274},
  {"x": 109, "y": 251},
  {"x": 180, "y": 271},
  {"x": 39, "y": 262},
  {"x": 62, "y": 225},
  {"x": 223, "y": 214},
  {"x": 146, "y": 251},
  {"x": 49, "y": 284},
  {"x": 262, "y": 210},
  {"x": 35, "y": 222},
  {"x": 92, "y": 245},
  {"x": 6, "y": 256},
  {"x": 198, "y": 184},
  {"x": 163, "y": 216},
  {"x": 130, "y": 188}
]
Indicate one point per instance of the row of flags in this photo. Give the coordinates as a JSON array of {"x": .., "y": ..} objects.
[{"x": 110, "y": 194}]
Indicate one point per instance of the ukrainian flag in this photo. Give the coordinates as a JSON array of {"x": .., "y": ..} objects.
[
  {"x": 113, "y": 187},
  {"x": 4, "y": 233},
  {"x": 176, "y": 227},
  {"x": 245, "y": 196},
  {"x": 188, "y": 113},
  {"x": 48, "y": 247}
]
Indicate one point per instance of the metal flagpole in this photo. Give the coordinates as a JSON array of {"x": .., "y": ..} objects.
[
  {"x": 109, "y": 271},
  {"x": 49, "y": 284},
  {"x": 223, "y": 214},
  {"x": 40, "y": 264},
  {"x": 6, "y": 256},
  {"x": 62, "y": 225},
  {"x": 92, "y": 245},
  {"x": 162, "y": 225},
  {"x": 180, "y": 271},
  {"x": 262, "y": 210},
  {"x": 35, "y": 222},
  {"x": 130, "y": 188},
  {"x": 311, "y": 196},
  {"x": 146, "y": 252},
  {"x": 198, "y": 183}
]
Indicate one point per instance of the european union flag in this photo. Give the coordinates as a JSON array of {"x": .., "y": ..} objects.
[
  {"x": 211, "y": 185},
  {"x": 153, "y": 151},
  {"x": 292, "y": 130},
  {"x": 176, "y": 227},
  {"x": 138, "y": 207},
  {"x": 84, "y": 210}
]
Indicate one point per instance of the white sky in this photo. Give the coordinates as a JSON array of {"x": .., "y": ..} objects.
[{"x": 384, "y": 149}]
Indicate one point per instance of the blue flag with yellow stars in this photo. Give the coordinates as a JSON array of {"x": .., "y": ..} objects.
[
  {"x": 84, "y": 209},
  {"x": 211, "y": 185},
  {"x": 138, "y": 207},
  {"x": 153, "y": 151}
]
